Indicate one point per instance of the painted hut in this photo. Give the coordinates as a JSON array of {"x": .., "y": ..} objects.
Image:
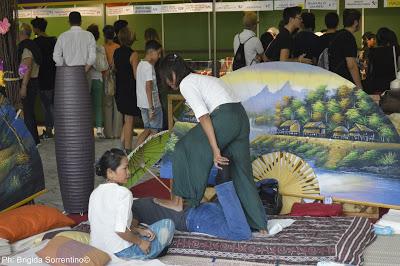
[
  {"x": 314, "y": 129},
  {"x": 289, "y": 127},
  {"x": 362, "y": 133},
  {"x": 341, "y": 132}
]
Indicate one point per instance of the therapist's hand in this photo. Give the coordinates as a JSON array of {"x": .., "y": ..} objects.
[
  {"x": 146, "y": 232},
  {"x": 219, "y": 160},
  {"x": 145, "y": 246}
]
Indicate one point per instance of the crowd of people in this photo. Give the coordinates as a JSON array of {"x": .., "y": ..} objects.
[
  {"x": 122, "y": 87},
  {"x": 333, "y": 49}
]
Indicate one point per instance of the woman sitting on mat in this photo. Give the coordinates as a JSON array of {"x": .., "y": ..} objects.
[
  {"x": 110, "y": 215},
  {"x": 223, "y": 131}
]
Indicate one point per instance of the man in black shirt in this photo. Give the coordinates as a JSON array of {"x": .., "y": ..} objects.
[
  {"x": 47, "y": 73},
  {"x": 331, "y": 22},
  {"x": 343, "y": 48},
  {"x": 305, "y": 42},
  {"x": 280, "y": 49}
]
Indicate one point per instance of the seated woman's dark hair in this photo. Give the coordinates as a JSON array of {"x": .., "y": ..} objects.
[
  {"x": 110, "y": 159},
  {"x": 173, "y": 63}
]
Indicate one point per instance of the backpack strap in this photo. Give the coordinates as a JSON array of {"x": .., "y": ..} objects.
[{"x": 246, "y": 40}]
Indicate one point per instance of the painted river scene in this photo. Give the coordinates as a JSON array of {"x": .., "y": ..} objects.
[{"x": 340, "y": 132}]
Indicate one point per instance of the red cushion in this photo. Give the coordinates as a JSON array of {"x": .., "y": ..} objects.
[
  {"x": 30, "y": 220},
  {"x": 316, "y": 209}
]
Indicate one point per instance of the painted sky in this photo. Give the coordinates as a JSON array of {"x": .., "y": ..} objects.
[{"x": 249, "y": 81}]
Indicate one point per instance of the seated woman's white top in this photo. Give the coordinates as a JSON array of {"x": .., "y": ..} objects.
[
  {"x": 205, "y": 93},
  {"x": 110, "y": 211}
]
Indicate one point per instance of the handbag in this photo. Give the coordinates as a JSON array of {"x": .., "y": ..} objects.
[
  {"x": 390, "y": 101},
  {"x": 268, "y": 190},
  {"x": 101, "y": 63},
  {"x": 109, "y": 82}
]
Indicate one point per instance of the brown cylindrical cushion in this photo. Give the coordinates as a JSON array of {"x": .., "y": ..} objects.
[{"x": 74, "y": 137}]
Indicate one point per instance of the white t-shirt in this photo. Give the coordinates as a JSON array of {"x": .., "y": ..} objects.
[
  {"x": 145, "y": 72},
  {"x": 205, "y": 93},
  {"x": 252, "y": 47},
  {"x": 110, "y": 211}
]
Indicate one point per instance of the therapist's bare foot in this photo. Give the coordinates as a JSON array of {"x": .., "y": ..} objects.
[
  {"x": 263, "y": 232},
  {"x": 174, "y": 204}
]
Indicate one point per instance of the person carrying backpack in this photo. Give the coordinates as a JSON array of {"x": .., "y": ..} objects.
[{"x": 247, "y": 46}]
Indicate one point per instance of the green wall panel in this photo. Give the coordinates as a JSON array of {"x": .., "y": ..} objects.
[
  {"x": 57, "y": 25},
  {"x": 187, "y": 34},
  {"x": 383, "y": 17},
  {"x": 228, "y": 25},
  {"x": 269, "y": 19},
  {"x": 139, "y": 23}
]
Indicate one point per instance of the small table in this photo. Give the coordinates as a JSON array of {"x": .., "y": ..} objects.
[{"x": 172, "y": 108}]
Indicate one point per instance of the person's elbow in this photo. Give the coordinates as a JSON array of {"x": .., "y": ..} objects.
[
  {"x": 91, "y": 60},
  {"x": 203, "y": 117},
  {"x": 57, "y": 59},
  {"x": 351, "y": 63}
]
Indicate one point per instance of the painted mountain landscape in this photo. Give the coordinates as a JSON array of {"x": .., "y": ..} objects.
[{"x": 342, "y": 134}]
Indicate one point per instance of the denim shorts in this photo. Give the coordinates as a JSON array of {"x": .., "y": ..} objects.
[{"x": 156, "y": 122}]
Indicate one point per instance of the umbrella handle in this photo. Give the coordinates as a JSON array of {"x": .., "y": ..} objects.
[{"x": 158, "y": 179}]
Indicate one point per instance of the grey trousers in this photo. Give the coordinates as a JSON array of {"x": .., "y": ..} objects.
[{"x": 112, "y": 118}]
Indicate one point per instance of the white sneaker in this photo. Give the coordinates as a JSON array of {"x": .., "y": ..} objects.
[{"x": 99, "y": 133}]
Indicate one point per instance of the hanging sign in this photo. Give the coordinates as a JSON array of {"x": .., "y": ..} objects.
[
  {"x": 43, "y": 1},
  {"x": 244, "y": 6},
  {"x": 119, "y": 10},
  {"x": 192, "y": 7},
  {"x": 147, "y": 9},
  {"x": 361, "y": 3},
  {"x": 89, "y": 11},
  {"x": 282, "y": 4},
  {"x": 392, "y": 3},
  {"x": 321, "y": 4},
  {"x": 186, "y": 8},
  {"x": 60, "y": 12},
  {"x": 25, "y": 13}
]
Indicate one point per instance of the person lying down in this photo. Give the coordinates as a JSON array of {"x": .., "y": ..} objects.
[{"x": 224, "y": 219}]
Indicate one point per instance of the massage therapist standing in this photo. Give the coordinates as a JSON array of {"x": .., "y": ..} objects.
[{"x": 223, "y": 132}]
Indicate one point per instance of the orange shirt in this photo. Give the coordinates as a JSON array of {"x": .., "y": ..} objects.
[{"x": 110, "y": 49}]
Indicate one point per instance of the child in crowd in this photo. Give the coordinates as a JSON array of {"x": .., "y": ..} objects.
[
  {"x": 147, "y": 92},
  {"x": 110, "y": 215}
]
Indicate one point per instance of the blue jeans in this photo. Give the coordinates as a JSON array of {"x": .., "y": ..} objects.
[
  {"x": 225, "y": 219},
  {"x": 156, "y": 122},
  {"x": 164, "y": 231}
]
